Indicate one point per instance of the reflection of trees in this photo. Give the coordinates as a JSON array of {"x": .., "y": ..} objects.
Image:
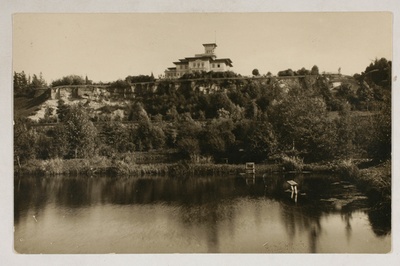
[
  {"x": 347, "y": 217},
  {"x": 203, "y": 202},
  {"x": 297, "y": 218},
  {"x": 204, "y": 218},
  {"x": 73, "y": 193},
  {"x": 168, "y": 190},
  {"x": 380, "y": 220},
  {"x": 305, "y": 215},
  {"x": 30, "y": 194}
]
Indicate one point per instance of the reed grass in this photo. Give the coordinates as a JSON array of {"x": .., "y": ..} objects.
[
  {"x": 127, "y": 166},
  {"x": 375, "y": 182},
  {"x": 292, "y": 163}
]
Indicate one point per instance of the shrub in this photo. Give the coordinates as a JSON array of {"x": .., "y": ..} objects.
[
  {"x": 53, "y": 166},
  {"x": 348, "y": 169},
  {"x": 292, "y": 163}
]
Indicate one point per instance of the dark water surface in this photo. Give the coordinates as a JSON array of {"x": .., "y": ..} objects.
[{"x": 196, "y": 215}]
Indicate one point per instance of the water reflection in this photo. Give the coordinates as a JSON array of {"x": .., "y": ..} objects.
[{"x": 203, "y": 214}]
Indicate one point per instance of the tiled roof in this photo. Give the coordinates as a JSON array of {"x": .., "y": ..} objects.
[
  {"x": 224, "y": 60},
  {"x": 208, "y": 44}
]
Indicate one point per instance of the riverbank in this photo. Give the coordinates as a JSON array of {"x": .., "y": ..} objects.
[
  {"x": 374, "y": 181},
  {"x": 127, "y": 167}
]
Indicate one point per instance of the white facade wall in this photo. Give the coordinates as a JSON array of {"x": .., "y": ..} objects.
[{"x": 219, "y": 66}]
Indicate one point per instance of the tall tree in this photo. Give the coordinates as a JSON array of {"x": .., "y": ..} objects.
[
  {"x": 314, "y": 70},
  {"x": 80, "y": 133},
  {"x": 255, "y": 72},
  {"x": 301, "y": 122},
  {"x": 24, "y": 141}
]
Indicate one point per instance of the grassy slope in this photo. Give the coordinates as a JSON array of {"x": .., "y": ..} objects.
[{"x": 24, "y": 106}]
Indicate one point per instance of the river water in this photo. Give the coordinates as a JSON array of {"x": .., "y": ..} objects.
[{"x": 231, "y": 214}]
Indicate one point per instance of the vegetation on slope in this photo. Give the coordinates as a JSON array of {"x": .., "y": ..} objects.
[{"x": 234, "y": 120}]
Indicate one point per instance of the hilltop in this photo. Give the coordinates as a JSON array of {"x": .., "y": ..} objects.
[{"x": 111, "y": 102}]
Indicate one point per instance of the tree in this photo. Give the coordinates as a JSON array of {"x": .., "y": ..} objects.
[
  {"x": 217, "y": 137},
  {"x": 24, "y": 141},
  {"x": 20, "y": 82},
  {"x": 301, "y": 122},
  {"x": 365, "y": 96},
  {"x": 254, "y": 141},
  {"x": 379, "y": 72},
  {"x": 218, "y": 101},
  {"x": 288, "y": 72},
  {"x": 88, "y": 81},
  {"x": 43, "y": 146},
  {"x": 136, "y": 112},
  {"x": 69, "y": 80},
  {"x": 261, "y": 142},
  {"x": 187, "y": 127},
  {"x": 345, "y": 147},
  {"x": 314, "y": 70},
  {"x": 38, "y": 82},
  {"x": 48, "y": 115},
  {"x": 172, "y": 114},
  {"x": 115, "y": 135},
  {"x": 59, "y": 145},
  {"x": 62, "y": 110},
  {"x": 158, "y": 137},
  {"x": 251, "y": 110},
  {"x": 80, "y": 133},
  {"x": 303, "y": 71},
  {"x": 189, "y": 148},
  {"x": 24, "y": 86},
  {"x": 255, "y": 72},
  {"x": 381, "y": 146}
]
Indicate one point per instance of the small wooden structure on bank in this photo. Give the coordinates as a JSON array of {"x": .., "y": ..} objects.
[
  {"x": 249, "y": 173},
  {"x": 250, "y": 168},
  {"x": 293, "y": 186}
]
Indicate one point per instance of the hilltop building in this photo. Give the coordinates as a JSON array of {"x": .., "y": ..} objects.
[{"x": 206, "y": 61}]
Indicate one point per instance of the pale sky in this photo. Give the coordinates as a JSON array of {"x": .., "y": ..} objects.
[{"x": 107, "y": 47}]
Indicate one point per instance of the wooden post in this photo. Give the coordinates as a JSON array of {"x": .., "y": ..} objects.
[
  {"x": 19, "y": 164},
  {"x": 250, "y": 168}
]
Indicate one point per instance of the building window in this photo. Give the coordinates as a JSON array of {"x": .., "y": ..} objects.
[
  {"x": 218, "y": 65},
  {"x": 213, "y": 65},
  {"x": 202, "y": 64}
]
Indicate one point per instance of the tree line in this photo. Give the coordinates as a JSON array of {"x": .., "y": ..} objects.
[{"x": 243, "y": 120}]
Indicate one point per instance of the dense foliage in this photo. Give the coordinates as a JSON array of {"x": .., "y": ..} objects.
[
  {"x": 26, "y": 86},
  {"x": 207, "y": 117},
  {"x": 71, "y": 80}
]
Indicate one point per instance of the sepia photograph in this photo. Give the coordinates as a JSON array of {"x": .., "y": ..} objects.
[
  {"x": 202, "y": 133},
  {"x": 192, "y": 134}
]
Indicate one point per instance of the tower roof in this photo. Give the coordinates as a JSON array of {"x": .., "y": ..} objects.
[{"x": 209, "y": 44}]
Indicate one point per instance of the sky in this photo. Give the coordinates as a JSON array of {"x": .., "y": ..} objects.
[{"x": 107, "y": 47}]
